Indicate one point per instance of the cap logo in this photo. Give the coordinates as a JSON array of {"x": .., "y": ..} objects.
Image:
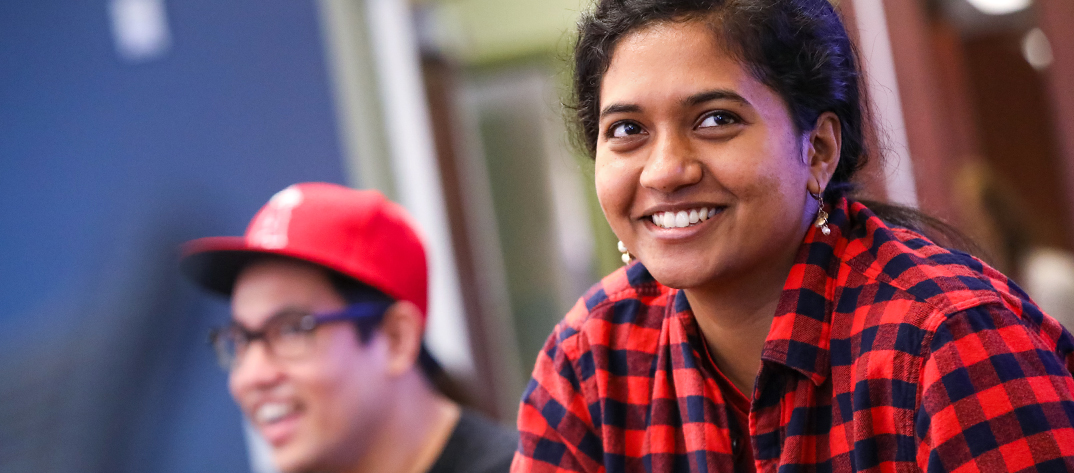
[{"x": 270, "y": 229}]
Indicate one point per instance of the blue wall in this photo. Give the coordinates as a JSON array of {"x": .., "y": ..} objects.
[{"x": 105, "y": 167}]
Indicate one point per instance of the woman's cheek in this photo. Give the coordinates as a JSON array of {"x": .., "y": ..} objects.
[{"x": 614, "y": 190}]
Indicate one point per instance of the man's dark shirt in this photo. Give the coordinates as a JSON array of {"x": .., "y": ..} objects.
[{"x": 477, "y": 445}]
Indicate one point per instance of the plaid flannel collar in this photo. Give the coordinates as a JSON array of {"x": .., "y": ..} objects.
[{"x": 800, "y": 333}]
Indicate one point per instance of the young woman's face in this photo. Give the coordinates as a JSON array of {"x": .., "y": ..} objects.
[{"x": 699, "y": 168}]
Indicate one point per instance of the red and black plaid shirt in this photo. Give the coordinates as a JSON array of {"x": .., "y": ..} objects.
[{"x": 887, "y": 353}]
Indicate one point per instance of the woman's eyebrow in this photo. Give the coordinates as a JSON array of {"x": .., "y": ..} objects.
[
  {"x": 619, "y": 108},
  {"x": 718, "y": 94},
  {"x": 690, "y": 101}
]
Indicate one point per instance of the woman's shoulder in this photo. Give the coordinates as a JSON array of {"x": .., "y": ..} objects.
[
  {"x": 896, "y": 277},
  {"x": 909, "y": 262}
]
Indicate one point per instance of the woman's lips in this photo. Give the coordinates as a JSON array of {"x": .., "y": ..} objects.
[{"x": 683, "y": 218}]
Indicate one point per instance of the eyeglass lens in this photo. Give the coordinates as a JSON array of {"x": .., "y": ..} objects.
[{"x": 287, "y": 335}]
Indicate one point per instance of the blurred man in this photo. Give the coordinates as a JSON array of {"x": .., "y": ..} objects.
[{"x": 328, "y": 293}]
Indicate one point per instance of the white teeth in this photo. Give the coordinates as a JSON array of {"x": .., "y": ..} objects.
[
  {"x": 682, "y": 218},
  {"x": 272, "y": 412}
]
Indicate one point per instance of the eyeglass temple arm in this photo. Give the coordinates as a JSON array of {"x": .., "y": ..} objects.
[{"x": 360, "y": 310}]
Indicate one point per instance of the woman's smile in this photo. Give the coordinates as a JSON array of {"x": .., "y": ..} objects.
[{"x": 683, "y": 218}]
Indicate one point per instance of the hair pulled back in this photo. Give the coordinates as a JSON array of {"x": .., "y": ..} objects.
[{"x": 798, "y": 48}]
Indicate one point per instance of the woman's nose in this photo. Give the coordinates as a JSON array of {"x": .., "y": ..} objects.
[{"x": 672, "y": 165}]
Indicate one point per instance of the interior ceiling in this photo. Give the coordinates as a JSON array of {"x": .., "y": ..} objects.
[{"x": 972, "y": 22}]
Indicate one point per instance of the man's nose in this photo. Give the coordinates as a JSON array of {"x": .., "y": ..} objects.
[{"x": 255, "y": 367}]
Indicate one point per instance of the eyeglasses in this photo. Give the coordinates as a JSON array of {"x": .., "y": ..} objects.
[{"x": 288, "y": 334}]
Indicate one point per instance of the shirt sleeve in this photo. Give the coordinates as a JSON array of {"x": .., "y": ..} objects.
[
  {"x": 556, "y": 430},
  {"x": 995, "y": 396}
]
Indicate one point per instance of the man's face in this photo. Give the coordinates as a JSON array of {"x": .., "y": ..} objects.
[{"x": 316, "y": 410}]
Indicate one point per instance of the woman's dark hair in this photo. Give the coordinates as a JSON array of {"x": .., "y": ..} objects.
[{"x": 798, "y": 48}]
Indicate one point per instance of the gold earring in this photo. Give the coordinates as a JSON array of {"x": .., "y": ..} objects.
[
  {"x": 822, "y": 217},
  {"x": 626, "y": 253}
]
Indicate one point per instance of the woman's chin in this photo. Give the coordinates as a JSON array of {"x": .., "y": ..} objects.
[{"x": 678, "y": 276}]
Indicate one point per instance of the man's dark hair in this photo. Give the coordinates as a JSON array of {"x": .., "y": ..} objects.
[{"x": 353, "y": 291}]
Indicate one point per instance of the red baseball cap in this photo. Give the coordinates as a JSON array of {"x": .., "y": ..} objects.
[{"x": 358, "y": 233}]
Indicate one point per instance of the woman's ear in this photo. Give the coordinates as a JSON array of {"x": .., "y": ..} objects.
[
  {"x": 822, "y": 150},
  {"x": 402, "y": 328}
]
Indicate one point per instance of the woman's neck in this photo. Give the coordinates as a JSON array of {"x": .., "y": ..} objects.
[{"x": 735, "y": 316}]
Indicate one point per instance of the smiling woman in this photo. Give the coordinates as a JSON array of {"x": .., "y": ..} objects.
[
  {"x": 686, "y": 129},
  {"x": 771, "y": 321}
]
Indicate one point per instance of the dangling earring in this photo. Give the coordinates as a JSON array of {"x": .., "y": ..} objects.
[
  {"x": 822, "y": 217},
  {"x": 626, "y": 253}
]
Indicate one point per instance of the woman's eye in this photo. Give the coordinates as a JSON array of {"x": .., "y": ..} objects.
[
  {"x": 718, "y": 119},
  {"x": 625, "y": 129}
]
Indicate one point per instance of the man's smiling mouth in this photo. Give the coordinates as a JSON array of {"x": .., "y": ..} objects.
[{"x": 270, "y": 412}]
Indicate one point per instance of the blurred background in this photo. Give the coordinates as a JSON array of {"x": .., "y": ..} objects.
[{"x": 130, "y": 126}]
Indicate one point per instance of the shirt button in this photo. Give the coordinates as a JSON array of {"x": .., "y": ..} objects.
[{"x": 734, "y": 445}]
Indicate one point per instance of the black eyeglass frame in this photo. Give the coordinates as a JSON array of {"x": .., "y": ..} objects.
[{"x": 356, "y": 312}]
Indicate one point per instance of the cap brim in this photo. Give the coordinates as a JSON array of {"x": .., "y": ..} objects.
[{"x": 215, "y": 262}]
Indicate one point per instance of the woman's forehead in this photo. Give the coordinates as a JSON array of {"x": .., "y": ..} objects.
[{"x": 671, "y": 60}]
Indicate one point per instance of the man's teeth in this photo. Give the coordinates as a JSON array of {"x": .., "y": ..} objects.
[
  {"x": 272, "y": 412},
  {"x": 682, "y": 218}
]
